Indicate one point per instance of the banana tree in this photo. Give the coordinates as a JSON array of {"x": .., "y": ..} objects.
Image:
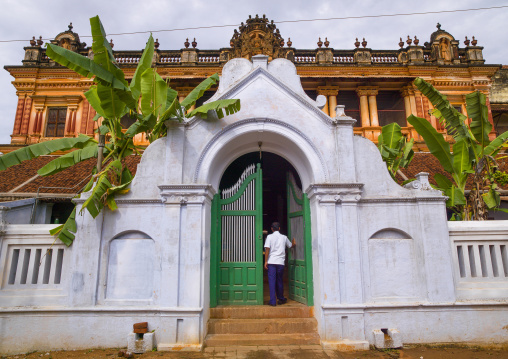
[
  {"x": 148, "y": 98},
  {"x": 395, "y": 150},
  {"x": 473, "y": 155}
]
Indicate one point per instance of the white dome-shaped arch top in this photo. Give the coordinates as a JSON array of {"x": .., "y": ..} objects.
[{"x": 276, "y": 136}]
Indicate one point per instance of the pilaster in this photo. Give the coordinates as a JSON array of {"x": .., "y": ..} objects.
[
  {"x": 364, "y": 106},
  {"x": 330, "y": 92},
  {"x": 190, "y": 206},
  {"x": 338, "y": 235},
  {"x": 345, "y": 147}
]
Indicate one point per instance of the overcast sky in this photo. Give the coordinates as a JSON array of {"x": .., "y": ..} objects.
[{"x": 22, "y": 19}]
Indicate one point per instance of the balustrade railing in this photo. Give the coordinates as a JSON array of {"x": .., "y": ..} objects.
[
  {"x": 480, "y": 257},
  {"x": 35, "y": 268}
]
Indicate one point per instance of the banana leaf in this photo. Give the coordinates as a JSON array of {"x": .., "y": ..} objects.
[
  {"x": 103, "y": 53},
  {"x": 174, "y": 110},
  {"x": 461, "y": 162},
  {"x": 479, "y": 113},
  {"x": 68, "y": 160},
  {"x": 391, "y": 135},
  {"x": 66, "y": 232},
  {"x": 454, "y": 120},
  {"x": 455, "y": 197},
  {"x": 170, "y": 97},
  {"x": 199, "y": 90},
  {"x": 492, "y": 198},
  {"x": 442, "y": 181},
  {"x": 434, "y": 140},
  {"x": 83, "y": 66},
  {"x": 111, "y": 103},
  {"x": 142, "y": 125},
  {"x": 145, "y": 62},
  {"x": 43, "y": 148},
  {"x": 407, "y": 154},
  {"x": 153, "y": 93},
  {"x": 94, "y": 100},
  {"x": 94, "y": 203},
  {"x": 229, "y": 106},
  {"x": 493, "y": 148}
]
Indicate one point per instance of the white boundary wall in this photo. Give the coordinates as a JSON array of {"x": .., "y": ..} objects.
[{"x": 382, "y": 254}]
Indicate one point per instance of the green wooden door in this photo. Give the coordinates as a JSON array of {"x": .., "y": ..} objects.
[
  {"x": 236, "y": 276},
  {"x": 300, "y": 257}
]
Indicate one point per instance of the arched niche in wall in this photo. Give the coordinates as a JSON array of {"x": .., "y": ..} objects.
[
  {"x": 130, "y": 273},
  {"x": 392, "y": 265}
]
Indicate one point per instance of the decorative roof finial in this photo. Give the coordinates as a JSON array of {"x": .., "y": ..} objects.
[
  {"x": 194, "y": 43},
  {"x": 474, "y": 42},
  {"x": 40, "y": 42},
  {"x": 357, "y": 43},
  {"x": 327, "y": 43},
  {"x": 416, "y": 42},
  {"x": 401, "y": 43},
  {"x": 409, "y": 41},
  {"x": 70, "y": 27},
  {"x": 438, "y": 26},
  {"x": 186, "y": 43},
  {"x": 364, "y": 43},
  {"x": 289, "y": 43},
  {"x": 156, "y": 44},
  {"x": 466, "y": 41},
  {"x": 32, "y": 42},
  {"x": 320, "y": 43},
  {"x": 111, "y": 43}
]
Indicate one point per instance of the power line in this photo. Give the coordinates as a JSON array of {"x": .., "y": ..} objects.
[{"x": 289, "y": 21}]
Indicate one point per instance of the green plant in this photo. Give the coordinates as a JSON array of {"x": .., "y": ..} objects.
[
  {"x": 395, "y": 150},
  {"x": 473, "y": 155},
  {"x": 148, "y": 98}
]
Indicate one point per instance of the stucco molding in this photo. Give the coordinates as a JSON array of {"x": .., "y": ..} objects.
[{"x": 234, "y": 126}]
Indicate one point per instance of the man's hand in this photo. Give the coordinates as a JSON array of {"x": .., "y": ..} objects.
[
  {"x": 267, "y": 255},
  {"x": 293, "y": 243}
]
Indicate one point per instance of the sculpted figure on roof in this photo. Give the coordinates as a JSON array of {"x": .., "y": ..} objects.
[{"x": 257, "y": 36}]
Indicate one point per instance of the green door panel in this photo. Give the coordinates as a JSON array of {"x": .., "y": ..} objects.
[
  {"x": 236, "y": 276},
  {"x": 300, "y": 257}
]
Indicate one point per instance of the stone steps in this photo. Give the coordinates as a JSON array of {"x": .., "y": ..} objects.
[
  {"x": 219, "y": 340},
  {"x": 262, "y": 325},
  {"x": 261, "y": 312}
]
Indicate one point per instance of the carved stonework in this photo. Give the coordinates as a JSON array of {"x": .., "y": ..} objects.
[
  {"x": 444, "y": 47},
  {"x": 363, "y": 56},
  {"x": 69, "y": 40},
  {"x": 422, "y": 184},
  {"x": 257, "y": 36}
]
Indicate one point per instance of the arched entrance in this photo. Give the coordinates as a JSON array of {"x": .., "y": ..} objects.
[{"x": 255, "y": 190}]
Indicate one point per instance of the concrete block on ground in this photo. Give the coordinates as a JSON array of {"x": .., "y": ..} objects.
[
  {"x": 396, "y": 338},
  {"x": 379, "y": 338},
  {"x": 140, "y": 344}
]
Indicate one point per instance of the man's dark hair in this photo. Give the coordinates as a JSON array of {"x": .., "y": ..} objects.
[{"x": 276, "y": 226}]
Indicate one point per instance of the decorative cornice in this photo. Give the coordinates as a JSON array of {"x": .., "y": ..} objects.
[
  {"x": 186, "y": 193},
  {"x": 335, "y": 192},
  {"x": 138, "y": 201},
  {"x": 367, "y": 90},
  {"x": 403, "y": 199},
  {"x": 328, "y": 90}
]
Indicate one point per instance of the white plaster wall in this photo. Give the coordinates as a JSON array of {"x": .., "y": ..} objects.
[{"x": 352, "y": 198}]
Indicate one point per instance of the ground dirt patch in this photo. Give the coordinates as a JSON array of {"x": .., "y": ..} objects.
[{"x": 413, "y": 352}]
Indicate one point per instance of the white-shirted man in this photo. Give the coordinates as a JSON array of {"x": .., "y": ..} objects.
[{"x": 275, "y": 255}]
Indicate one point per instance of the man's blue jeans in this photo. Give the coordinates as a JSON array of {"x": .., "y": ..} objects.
[{"x": 275, "y": 274}]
